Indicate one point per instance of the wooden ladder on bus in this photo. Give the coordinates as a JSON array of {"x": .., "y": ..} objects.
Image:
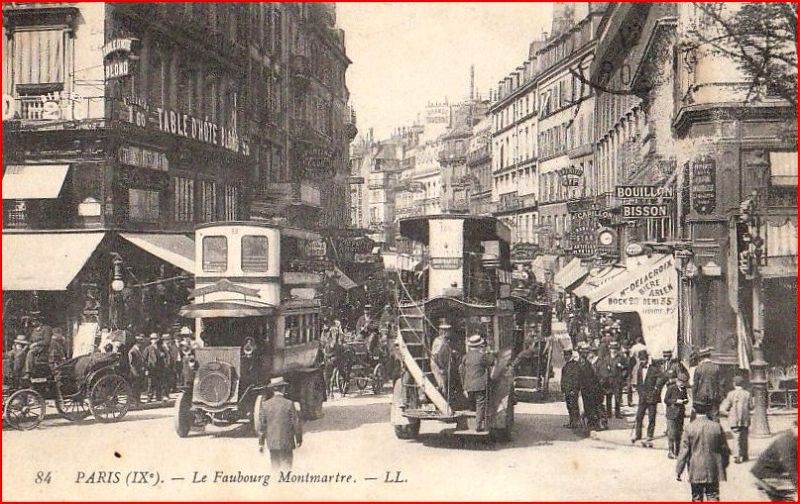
[{"x": 415, "y": 353}]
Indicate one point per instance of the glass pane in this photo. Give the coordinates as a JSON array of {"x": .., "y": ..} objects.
[
  {"x": 215, "y": 254},
  {"x": 254, "y": 253}
]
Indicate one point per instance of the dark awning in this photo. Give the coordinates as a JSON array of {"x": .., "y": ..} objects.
[{"x": 216, "y": 309}]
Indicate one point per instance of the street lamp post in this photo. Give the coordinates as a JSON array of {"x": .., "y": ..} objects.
[{"x": 751, "y": 260}]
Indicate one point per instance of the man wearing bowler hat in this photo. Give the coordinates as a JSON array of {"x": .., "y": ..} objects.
[
  {"x": 571, "y": 387},
  {"x": 707, "y": 387},
  {"x": 476, "y": 363},
  {"x": 280, "y": 427}
]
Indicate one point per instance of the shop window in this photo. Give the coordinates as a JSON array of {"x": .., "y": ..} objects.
[
  {"x": 255, "y": 253},
  {"x": 215, "y": 254},
  {"x": 183, "y": 210},
  {"x": 143, "y": 205},
  {"x": 783, "y": 169}
]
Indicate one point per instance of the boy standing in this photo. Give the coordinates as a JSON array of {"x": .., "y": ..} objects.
[
  {"x": 676, "y": 399},
  {"x": 737, "y": 405}
]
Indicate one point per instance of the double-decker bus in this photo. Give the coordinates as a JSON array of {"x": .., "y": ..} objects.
[
  {"x": 464, "y": 282},
  {"x": 241, "y": 293}
]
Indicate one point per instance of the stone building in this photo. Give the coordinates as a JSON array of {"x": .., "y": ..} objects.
[{"x": 125, "y": 125}]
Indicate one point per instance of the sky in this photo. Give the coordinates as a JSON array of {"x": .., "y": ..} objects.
[{"x": 407, "y": 54}]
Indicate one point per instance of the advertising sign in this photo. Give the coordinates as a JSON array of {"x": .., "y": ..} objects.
[
  {"x": 651, "y": 290},
  {"x": 704, "y": 185},
  {"x": 644, "y": 211}
]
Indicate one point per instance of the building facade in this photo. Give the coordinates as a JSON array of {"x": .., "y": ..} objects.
[
  {"x": 722, "y": 163},
  {"x": 125, "y": 125},
  {"x": 515, "y": 149}
]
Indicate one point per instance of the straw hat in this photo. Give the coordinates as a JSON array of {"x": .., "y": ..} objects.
[{"x": 475, "y": 340}]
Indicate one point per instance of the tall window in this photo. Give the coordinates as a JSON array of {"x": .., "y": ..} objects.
[
  {"x": 183, "y": 207},
  {"x": 38, "y": 61},
  {"x": 143, "y": 205},
  {"x": 231, "y": 202},
  {"x": 208, "y": 201}
]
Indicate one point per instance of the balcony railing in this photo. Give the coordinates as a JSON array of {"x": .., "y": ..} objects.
[{"x": 57, "y": 107}]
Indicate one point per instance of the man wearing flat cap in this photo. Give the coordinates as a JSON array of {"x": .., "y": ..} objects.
[
  {"x": 280, "y": 427},
  {"x": 707, "y": 385},
  {"x": 476, "y": 363}
]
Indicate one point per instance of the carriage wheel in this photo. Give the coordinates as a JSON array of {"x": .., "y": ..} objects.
[
  {"x": 377, "y": 379},
  {"x": 72, "y": 408},
  {"x": 24, "y": 410},
  {"x": 109, "y": 398}
]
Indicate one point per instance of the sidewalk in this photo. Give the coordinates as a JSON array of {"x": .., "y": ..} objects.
[{"x": 620, "y": 431}]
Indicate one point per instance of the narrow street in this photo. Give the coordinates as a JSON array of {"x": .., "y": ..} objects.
[{"x": 354, "y": 437}]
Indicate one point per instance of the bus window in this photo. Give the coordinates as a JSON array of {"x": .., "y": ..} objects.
[
  {"x": 255, "y": 253},
  {"x": 215, "y": 254}
]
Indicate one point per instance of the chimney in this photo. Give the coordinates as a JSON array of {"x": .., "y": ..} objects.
[{"x": 472, "y": 82}]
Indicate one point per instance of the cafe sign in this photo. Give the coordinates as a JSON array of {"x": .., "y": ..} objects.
[
  {"x": 570, "y": 176},
  {"x": 704, "y": 185}
]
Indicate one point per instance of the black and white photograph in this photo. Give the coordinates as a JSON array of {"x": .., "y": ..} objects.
[{"x": 409, "y": 251}]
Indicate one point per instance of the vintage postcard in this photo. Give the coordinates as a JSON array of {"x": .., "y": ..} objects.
[{"x": 399, "y": 251}]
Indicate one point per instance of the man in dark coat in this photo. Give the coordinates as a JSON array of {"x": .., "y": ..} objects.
[
  {"x": 137, "y": 369},
  {"x": 281, "y": 428},
  {"x": 705, "y": 452},
  {"x": 707, "y": 386},
  {"x": 570, "y": 386},
  {"x": 57, "y": 351},
  {"x": 647, "y": 381},
  {"x": 591, "y": 391},
  {"x": 476, "y": 364},
  {"x": 155, "y": 361},
  {"x": 676, "y": 399},
  {"x": 611, "y": 371}
]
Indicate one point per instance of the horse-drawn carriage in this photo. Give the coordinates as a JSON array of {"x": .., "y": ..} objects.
[
  {"x": 356, "y": 365},
  {"x": 90, "y": 384}
]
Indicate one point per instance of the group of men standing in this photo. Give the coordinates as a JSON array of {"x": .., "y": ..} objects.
[{"x": 162, "y": 365}]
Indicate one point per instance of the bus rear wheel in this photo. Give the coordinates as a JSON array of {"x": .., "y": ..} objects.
[{"x": 410, "y": 431}]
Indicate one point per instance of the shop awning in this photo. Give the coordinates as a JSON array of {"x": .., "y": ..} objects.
[
  {"x": 570, "y": 274},
  {"x": 217, "y": 309},
  {"x": 175, "y": 249},
  {"x": 343, "y": 280},
  {"x": 592, "y": 283},
  {"x": 648, "y": 287},
  {"x": 45, "y": 261},
  {"x": 33, "y": 181}
]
